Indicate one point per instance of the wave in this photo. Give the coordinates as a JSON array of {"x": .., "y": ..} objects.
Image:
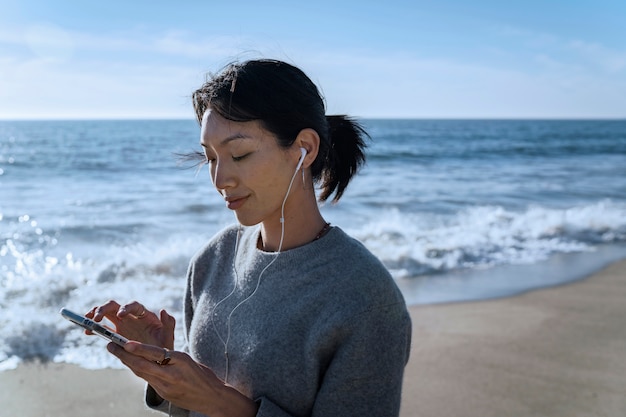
[
  {"x": 37, "y": 280},
  {"x": 37, "y": 283},
  {"x": 411, "y": 244}
]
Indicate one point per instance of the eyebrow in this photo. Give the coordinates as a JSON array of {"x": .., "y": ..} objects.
[{"x": 228, "y": 139}]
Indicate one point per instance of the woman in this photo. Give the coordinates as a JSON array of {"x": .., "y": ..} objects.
[{"x": 285, "y": 315}]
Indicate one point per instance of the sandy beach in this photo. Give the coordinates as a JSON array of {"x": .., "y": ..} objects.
[{"x": 559, "y": 351}]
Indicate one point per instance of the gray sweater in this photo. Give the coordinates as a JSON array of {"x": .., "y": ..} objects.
[{"x": 326, "y": 334}]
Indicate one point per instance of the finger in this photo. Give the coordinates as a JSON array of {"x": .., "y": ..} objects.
[
  {"x": 150, "y": 352},
  {"x": 169, "y": 324},
  {"x": 147, "y": 368},
  {"x": 135, "y": 308},
  {"x": 146, "y": 360},
  {"x": 108, "y": 309},
  {"x": 136, "y": 363},
  {"x": 91, "y": 313}
]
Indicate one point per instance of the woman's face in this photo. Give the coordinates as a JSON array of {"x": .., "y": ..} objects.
[{"x": 248, "y": 168}]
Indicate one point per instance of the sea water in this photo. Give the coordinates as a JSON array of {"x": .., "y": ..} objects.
[{"x": 456, "y": 209}]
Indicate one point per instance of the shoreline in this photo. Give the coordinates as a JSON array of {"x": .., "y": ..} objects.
[
  {"x": 556, "y": 351},
  {"x": 475, "y": 284}
]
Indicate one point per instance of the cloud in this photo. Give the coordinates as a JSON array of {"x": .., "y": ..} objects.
[
  {"x": 49, "y": 42},
  {"x": 183, "y": 44},
  {"x": 140, "y": 74},
  {"x": 54, "y": 73},
  {"x": 598, "y": 55},
  {"x": 526, "y": 37},
  {"x": 402, "y": 85},
  {"x": 561, "y": 53},
  {"x": 44, "y": 88}
]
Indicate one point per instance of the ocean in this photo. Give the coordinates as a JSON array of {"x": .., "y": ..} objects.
[{"x": 456, "y": 209}]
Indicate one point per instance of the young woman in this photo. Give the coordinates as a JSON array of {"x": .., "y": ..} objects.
[{"x": 285, "y": 314}]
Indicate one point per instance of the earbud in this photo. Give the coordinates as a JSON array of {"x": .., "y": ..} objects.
[{"x": 303, "y": 151}]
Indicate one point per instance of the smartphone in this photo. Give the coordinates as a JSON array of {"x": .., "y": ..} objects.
[{"x": 89, "y": 324}]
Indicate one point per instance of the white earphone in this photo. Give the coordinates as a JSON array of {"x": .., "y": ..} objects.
[{"x": 303, "y": 151}]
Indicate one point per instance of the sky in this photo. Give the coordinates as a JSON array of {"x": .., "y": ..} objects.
[{"x": 372, "y": 59}]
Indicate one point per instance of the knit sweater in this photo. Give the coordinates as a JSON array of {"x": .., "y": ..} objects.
[{"x": 327, "y": 332}]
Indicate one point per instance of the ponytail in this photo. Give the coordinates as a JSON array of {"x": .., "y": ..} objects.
[{"x": 344, "y": 157}]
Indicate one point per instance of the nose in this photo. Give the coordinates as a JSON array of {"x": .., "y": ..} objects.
[{"x": 222, "y": 176}]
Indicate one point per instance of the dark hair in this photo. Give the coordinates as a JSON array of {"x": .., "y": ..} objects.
[{"x": 285, "y": 101}]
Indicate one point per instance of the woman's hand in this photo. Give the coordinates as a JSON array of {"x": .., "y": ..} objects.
[
  {"x": 184, "y": 382},
  {"x": 134, "y": 322}
]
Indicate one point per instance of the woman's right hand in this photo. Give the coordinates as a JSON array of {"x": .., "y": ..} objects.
[{"x": 134, "y": 322}]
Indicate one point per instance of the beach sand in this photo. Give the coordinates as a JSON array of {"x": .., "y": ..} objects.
[{"x": 559, "y": 351}]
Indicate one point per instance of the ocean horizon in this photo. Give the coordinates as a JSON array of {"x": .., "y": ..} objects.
[{"x": 457, "y": 210}]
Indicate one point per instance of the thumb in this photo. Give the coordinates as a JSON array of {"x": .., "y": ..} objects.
[{"x": 169, "y": 324}]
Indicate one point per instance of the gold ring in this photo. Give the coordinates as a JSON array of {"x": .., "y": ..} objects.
[
  {"x": 142, "y": 314},
  {"x": 166, "y": 357}
]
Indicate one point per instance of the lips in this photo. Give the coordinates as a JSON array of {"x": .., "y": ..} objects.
[{"x": 234, "y": 203}]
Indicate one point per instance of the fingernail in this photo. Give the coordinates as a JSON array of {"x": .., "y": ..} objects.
[{"x": 130, "y": 347}]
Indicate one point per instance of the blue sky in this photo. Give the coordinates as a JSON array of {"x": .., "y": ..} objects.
[{"x": 417, "y": 59}]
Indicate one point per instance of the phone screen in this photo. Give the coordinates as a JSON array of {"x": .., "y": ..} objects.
[{"x": 89, "y": 324}]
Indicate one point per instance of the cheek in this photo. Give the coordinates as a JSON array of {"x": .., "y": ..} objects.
[{"x": 269, "y": 179}]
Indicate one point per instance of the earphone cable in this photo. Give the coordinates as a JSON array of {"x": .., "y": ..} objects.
[{"x": 258, "y": 284}]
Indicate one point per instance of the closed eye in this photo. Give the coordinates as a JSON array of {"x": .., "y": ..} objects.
[{"x": 239, "y": 158}]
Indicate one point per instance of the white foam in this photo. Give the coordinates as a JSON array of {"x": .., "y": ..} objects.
[
  {"x": 39, "y": 285},
  {"x": 415, "y": 243},
  {"x": 36, "y": 283}
]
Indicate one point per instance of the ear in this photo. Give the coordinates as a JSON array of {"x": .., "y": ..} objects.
[{"x": 309, "y": 140}]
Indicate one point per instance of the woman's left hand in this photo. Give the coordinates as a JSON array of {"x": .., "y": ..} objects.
[{"x": 183, "y": 381}]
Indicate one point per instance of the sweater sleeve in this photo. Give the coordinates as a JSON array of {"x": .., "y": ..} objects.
[
  {"x": 366, "y": 372},
  {"x": 155, "y": 402}
]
